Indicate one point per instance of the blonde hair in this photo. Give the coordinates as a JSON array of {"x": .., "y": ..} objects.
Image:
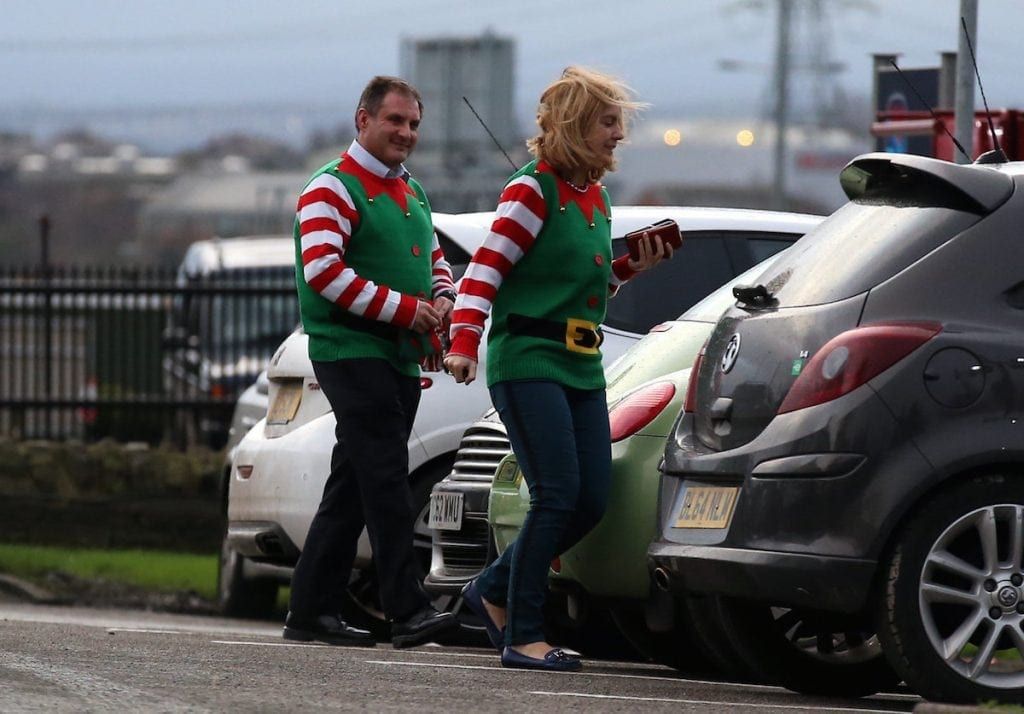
[{"x": 568, "y": 109}]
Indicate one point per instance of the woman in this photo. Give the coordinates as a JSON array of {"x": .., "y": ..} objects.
[{"x": 544, "y": 274}]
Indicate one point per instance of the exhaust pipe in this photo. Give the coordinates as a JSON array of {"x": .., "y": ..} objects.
[{"x": 662, "y": 579}]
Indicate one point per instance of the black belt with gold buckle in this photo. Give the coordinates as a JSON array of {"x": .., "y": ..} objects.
[{"x": 577, "y": 335}]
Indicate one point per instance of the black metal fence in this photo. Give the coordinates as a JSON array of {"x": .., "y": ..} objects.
[{"x": 135, "y": 354}]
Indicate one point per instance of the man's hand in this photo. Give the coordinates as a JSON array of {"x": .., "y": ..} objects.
[
  {"x": 444, "y": 306},
  {"x": 427, "y": 318},
  {"x": 462, "y": 368},
  {"x": 652, "y": 252}
]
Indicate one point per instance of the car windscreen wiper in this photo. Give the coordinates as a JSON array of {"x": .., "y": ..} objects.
[{"x": 754, "y": 296}]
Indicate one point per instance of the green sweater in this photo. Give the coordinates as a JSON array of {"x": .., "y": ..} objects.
[
  {"x": 550, "y": 303},
  {"x": 387, "y": 245}
]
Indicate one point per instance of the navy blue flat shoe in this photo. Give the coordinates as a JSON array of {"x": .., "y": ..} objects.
[
  {"x": 556, "y": 660},
  {"x": 471, "y": 596}
]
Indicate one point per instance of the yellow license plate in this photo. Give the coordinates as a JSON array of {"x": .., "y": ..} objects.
[
  {"x": 707, "y": 506},
  {"x": 286, "y": 403}
]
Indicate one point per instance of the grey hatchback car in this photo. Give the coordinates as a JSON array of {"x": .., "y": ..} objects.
[{"x": 843, "y": 495}]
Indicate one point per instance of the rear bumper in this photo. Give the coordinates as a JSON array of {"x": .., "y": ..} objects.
[
  {"x": 262, "y": 539},
  {"x": 791, "y": 579}
]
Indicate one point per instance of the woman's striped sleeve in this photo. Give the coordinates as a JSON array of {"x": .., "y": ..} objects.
[{"x": 517, "y": 222}]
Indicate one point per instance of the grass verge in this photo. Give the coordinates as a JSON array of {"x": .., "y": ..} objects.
[{"x": 152, "y": 570}]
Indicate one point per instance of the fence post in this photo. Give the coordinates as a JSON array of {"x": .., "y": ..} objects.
[{"x": 44, "y": 261}]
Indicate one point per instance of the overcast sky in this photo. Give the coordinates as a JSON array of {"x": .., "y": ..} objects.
[{"x": 102, "y": 53}]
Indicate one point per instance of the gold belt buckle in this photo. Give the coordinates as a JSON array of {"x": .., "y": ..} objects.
[{"x": 582, "y": 336}]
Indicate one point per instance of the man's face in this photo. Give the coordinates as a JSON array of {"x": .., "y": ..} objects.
[{"x": 391, "y": 134}]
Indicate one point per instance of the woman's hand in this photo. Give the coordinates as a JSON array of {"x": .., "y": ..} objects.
[
  {"x": 462, "y": 368},
  {"x": 652, "y": 251}
]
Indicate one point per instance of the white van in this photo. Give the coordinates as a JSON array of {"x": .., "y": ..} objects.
[{"x": 234, "y": 303}]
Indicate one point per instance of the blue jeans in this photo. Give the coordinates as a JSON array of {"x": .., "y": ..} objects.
[{"x": 561, "y": 440}]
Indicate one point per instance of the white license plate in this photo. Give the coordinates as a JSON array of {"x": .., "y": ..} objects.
[
  {"x": 707, "y": 506},
  {"x": 445, "y": 511},
  {"x": 286, "y": 403}
]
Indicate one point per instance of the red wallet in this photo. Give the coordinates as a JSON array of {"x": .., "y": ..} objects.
[{"x": 666, "y": 229}]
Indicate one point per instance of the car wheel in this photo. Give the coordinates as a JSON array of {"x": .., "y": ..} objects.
[
  {"x": 711, "y": 640},
  {"x": 811, "y": 653},
  {"x": 364, "y": 609},
  {"x": 239, "y": 596},
  {"x": 953, "y": 611},
  {"x": 674, "y": 648}
]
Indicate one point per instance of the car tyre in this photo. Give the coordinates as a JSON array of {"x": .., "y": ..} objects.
[
  {"x": 711, "y": 639},
  {"x": 811, "y": 653},
  {"x": 943, "y": 624},
  {"x": 674, "y": 648},
  {"x": 239, "y": 596}
]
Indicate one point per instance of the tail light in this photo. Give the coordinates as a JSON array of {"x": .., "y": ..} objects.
[
  {"x": 639, "y": 408},
  {"x": 426, "y": 383},
  {"x": 856, "y": 356},
  {"x": 690, "y": 405}
]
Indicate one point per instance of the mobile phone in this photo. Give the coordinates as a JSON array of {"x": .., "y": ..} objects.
[{"x": 667, "y": 230}]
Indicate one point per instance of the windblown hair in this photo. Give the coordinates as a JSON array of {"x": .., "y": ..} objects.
[
  {"x": 378, "y": 88},
  {"x": 568, "y": 109}
]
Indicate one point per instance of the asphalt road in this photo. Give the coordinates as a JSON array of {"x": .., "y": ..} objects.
[{"x": 58, "y": 659}]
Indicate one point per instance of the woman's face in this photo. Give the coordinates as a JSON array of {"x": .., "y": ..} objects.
[{"x": 605, "y": 133}]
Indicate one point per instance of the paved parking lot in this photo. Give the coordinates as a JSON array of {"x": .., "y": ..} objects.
[{"x": 76, "y": 659}]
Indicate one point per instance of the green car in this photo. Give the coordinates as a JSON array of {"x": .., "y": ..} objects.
[{"x": 647, "y": 387}]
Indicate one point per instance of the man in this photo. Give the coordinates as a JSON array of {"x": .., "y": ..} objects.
[{"x": 367, "y": 259}]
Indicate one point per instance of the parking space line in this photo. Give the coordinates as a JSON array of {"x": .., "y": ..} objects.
[
  {"x": 647, "y": 677},
  {"x": 716, "y": 703},
  {"x": 608, "y": 675},
  {"x": 308, "y": 645}
]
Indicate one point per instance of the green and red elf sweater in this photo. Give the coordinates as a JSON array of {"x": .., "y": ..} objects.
[
  {"x": 544, "y": 273},
  {"x": 366, "y": 253}
]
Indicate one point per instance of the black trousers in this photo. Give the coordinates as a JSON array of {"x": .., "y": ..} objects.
[{"x": 374, "y": 406}]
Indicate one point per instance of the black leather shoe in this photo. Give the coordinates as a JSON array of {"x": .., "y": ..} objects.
[
  {"x": 330, "y": 629},
  {"x": 421, "y": 627}
]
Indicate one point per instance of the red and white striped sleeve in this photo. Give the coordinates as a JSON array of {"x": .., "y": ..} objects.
[
  {"x": 621, "y": 272},
  {"x": 440, "y": 270},
  {"x": 518, "y": 220},
  {"x": 327, "y": 217}
]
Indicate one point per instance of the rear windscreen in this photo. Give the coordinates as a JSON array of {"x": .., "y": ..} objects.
[{"x": 859, "y": 246}]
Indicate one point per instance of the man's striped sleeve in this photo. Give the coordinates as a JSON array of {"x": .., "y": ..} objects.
[
  {"x": 327, "y": 218},
  {"x": 440, "y": 271}
]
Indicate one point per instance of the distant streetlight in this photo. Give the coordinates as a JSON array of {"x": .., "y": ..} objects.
[
  {"x": 672, "y": 137},
  {"x": 745, "y": 137}
]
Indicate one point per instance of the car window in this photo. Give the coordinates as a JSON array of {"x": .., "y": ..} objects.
[
  {"x": 858, "y": 247},
  {"x": 761, "y": 247},
  {"x": 456, "y": 256},
  {"x": 711, "y": 308},
  {"x": 700, "y": 266}
]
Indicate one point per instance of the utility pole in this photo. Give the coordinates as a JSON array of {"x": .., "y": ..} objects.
[
  {"x": 781, "y": 102},
  {"x": 964, "y": 110}
]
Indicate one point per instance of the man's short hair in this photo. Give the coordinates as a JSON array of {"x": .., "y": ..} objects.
[{"x": 378, "y": 88}]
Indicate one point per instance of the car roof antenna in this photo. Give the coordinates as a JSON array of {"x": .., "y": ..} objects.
[
  {"x": 490, "y": 134},
  {"x": 929, "y": 107},
  {"x": 996, "y": 155}
]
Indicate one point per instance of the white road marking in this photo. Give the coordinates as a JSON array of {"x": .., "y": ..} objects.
[
  {"x": 646, "y": 677},
  {"x": 717, "y": 703}
]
